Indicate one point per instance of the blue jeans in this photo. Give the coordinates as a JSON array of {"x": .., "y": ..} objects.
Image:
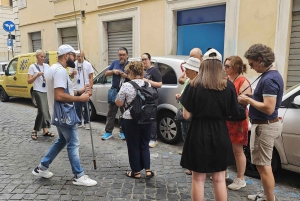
[
  {"x": 69, "y": 137},
  {"x": 78, "y": 107}
]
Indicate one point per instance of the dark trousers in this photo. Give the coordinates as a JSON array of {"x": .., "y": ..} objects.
[
  {"x": 42, "y": 119},
  {"x": 78, "y": 107},
  {"x": 111, "y": 115},
  {"x": 137, "y": 140}
]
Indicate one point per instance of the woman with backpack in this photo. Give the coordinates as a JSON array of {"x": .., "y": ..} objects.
[{"x": 137, "y": 135}]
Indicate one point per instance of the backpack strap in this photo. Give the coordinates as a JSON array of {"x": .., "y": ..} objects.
[{"x": 137, "y": 87}]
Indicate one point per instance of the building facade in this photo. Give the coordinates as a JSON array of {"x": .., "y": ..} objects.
[
  {"x": 164, "y": 27},
  {"x": 6, "y": 13}
]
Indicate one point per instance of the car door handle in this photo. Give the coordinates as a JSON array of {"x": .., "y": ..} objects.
[{"x": 15, "y": 78}]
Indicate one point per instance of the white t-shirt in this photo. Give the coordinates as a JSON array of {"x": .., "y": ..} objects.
[
  {"x": 57, "y": 77},
  {"x": 88, "y": 69},
  {"x": 38, "y": 83}
]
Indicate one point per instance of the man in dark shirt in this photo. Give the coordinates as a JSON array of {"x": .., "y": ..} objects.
[
  {"x": 263, "y": 113},
  {"x": 116, "y": 69}
]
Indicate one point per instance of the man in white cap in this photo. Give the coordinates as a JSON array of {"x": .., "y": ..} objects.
[
  {"x": 57, "y": 80},
  {"x": 82, "y": 74}
]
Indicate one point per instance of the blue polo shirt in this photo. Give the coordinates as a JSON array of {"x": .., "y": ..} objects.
[
  {"x": 116, "y": 78},
  {"x": 270, "y": 84}
]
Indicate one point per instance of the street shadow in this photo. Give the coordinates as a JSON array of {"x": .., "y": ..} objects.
[{"x": 20, "y": 101}]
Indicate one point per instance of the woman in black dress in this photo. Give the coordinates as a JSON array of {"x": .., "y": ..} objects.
[{"x": 209, "y": 98}]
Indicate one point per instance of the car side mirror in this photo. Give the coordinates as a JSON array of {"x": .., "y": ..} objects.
[
  {"x": 6, "y": 72},
  {"x": 296, "y": 101},
  {"x": 4, "y": 67}
]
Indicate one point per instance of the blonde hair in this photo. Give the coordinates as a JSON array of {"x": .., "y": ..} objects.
[
  {"x": 237, "y": 64},
  {"x": 136, "y": 67},
  {"x": 210, "y": 76},
  {"x": 39, "y": 52}
]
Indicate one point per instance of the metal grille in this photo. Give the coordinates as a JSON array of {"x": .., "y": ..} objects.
[
  {"x": 36, "y": 41},
  {"x": 293, "y": 76},
  {"x": 119, "y": 35},
  {"x": 69, "y": 36}
]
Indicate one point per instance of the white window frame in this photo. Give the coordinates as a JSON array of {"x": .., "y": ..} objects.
[
  {"x": 103, "y": 18},
  {"x": 231, "y": 22}
]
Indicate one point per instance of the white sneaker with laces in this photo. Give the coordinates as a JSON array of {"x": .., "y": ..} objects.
[
  {"x": 152, "y": 143},
  {"x": 260, "y": 196},
  {"x": 84, "y": 181},
  {"x": 87, "y": 126},
  {"x": 38, "y": 172},
  {"x": 237, "y": 184}
]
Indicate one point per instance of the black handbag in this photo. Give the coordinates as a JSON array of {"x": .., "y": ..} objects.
[
  {"x": 179, "y": 116},
  {"x": 241, "y": 116}
]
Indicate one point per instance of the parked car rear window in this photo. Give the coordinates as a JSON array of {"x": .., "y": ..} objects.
[{"x": 167, "y": 73}]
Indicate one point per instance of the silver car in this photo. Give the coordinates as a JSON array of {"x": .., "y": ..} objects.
[
  {"x": 286, "y": 152},
  {"x": 170, "y": 67}
]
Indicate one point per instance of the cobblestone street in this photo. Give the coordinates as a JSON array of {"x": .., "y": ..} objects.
[{"x": 20, "y": 154}]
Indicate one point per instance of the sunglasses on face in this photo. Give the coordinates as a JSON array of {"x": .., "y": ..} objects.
[
  {"x": 251, "y": 64},
  {"x": 226, "y": 66}
]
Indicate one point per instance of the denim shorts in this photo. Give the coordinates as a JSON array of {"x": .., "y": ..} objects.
[{"x": 262, "y": 141}]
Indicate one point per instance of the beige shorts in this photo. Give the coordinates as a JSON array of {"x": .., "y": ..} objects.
[{"x": 262, "y": 141}]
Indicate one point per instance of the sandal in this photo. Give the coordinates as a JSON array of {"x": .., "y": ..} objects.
[
  {"x": 34, "y": 135},
  {"x": 188, "y": 172},
  {"x": 136, "y": 175},
  {"x": 149, "y": 176},
  {"x": 48, "y": 134}
]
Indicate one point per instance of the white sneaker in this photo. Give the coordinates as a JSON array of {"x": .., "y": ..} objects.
[
  {"x": 152, "y": 143},
  {"x": 79, "y": 125},
  {"x": 237, "y": 184},
  {"x": 258, "y": 197},
  {"x": 38, "y": 172},
  {"x": 84, "y": 181},
  {"x": 87, "y": 126}
]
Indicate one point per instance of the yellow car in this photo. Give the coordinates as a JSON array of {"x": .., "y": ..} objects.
[{"x": 14, "y": 81}]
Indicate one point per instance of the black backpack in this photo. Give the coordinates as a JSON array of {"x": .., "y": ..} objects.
[{"x": 143, "y": 105}]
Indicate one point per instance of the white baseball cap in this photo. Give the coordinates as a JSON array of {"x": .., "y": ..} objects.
[
  {"x": 192, "y": 63},
  {"x": 212, "y": 54},
  {"x": 64, "y": 49}
]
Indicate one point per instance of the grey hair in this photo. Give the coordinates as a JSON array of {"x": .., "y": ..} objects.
[
  {"x": 39, "y": 51},
  {"x": 262, "y": 51}
]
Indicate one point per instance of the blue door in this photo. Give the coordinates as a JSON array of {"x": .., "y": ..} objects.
[{"x": 203, "y": 28}]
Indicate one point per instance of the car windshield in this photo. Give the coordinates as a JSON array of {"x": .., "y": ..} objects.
[{"x": 291, "y": 88}]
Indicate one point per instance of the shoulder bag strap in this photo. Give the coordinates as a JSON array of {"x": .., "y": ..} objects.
[
  {"x": 256, "y": 79},
  {"x": 37, "y": 67}
]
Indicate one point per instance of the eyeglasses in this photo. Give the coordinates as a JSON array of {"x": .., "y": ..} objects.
[
  {"x": 145, "y": 59},
  {"x": 122, "y": 55},
  {"x": 74, "y": 55},
  {"x": 226, "y": 66}
]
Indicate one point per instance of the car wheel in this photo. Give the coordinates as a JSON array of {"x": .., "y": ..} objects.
[
  {"x": 93, "y": 114},
  {"x": 3, "y": 95},
  {"x": 33, "y": 99},
  {"x": 168, "y": 129},
  {"x": 251, "y": 169}
]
